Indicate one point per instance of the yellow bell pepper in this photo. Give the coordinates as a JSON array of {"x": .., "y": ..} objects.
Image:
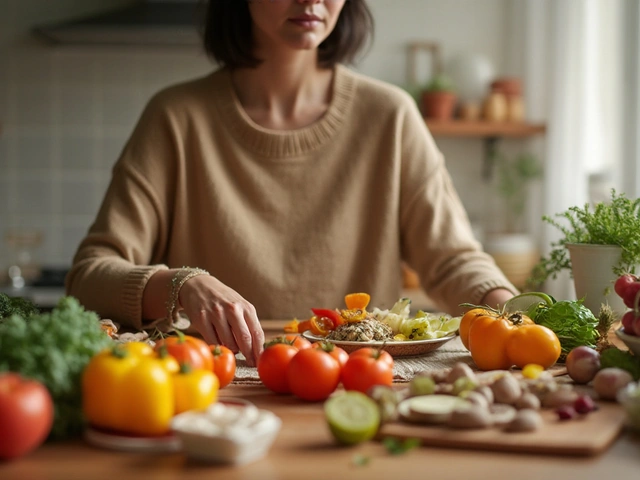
[
  {"x": 129, "y": 389},
  {"x": 194, "y": 389}
]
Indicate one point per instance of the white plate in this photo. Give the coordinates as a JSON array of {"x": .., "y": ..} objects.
[
  {"x": 631, "y": 341},
  {"x": 405, "y": 348},
  {"x": 135, "y": 443}
]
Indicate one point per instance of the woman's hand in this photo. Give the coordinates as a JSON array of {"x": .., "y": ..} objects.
[{"x": 222, "y": 316}]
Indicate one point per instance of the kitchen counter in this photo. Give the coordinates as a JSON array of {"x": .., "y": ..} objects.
[{"x": 305, "y": 448}]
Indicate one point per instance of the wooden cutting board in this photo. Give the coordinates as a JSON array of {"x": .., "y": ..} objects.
[{"x": 583, "y": 436}]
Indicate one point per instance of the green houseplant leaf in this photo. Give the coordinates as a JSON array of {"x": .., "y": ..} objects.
[{"x": 616, "y": 222}]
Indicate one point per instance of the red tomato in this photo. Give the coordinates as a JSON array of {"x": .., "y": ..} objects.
[
  {"x": 373, "y": 352},
  {"x": 313, "y": 374},
  {"x": 298, "y": 341},
  {"x": 367, "y": 368},
  {"x": 26, "y": 415},
  {"x": 336, "y": 352},
  {"x": 187, "y": 349},
  {"x": 224, "y": 364},
  {"x": 272, "y": 366}
]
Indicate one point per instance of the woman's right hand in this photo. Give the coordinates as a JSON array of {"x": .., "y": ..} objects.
[{"x": 222, "y": 316}]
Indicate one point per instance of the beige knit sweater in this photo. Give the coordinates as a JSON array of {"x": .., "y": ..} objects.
[{"x": 290, "y": 220}]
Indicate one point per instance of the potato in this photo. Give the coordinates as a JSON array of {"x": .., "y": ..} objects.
[
  {"x": 470, "y": 417},
  {"x": 430, "y": 409},
  {"x": 526, "y": 420},
  {"x": 506, "y": 389}
]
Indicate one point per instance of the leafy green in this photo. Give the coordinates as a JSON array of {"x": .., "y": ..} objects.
[
  {"x": 614, "y": 223},
  {"x": 54, "y": 348},
  {"x": 440, "y": 83},
  {"x": 16, "y": 305},
  {"x": 572, "y": 322},
  {"x": 397, "y": 447},
  {"x": 615, "y": 358},
  {"x": 514, "y": 177},
  {"x": 360, "y": 460}
]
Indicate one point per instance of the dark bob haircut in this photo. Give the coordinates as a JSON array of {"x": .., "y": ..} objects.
[{"x": 228, "y": 39}]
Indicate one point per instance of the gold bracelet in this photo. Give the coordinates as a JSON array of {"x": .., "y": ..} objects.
[{"x": 178, "y": 280}]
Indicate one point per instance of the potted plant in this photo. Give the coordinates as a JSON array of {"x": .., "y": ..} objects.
[
  {"x": 439, "y": 98},
  {"x": 514, "y": 251},
  {"x": 598, "y": 244}
]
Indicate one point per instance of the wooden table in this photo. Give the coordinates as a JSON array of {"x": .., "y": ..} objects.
[{"x": 305, "y": 449}]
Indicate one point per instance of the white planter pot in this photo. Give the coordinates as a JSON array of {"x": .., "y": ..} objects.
[{"x": 592, "y": 267}]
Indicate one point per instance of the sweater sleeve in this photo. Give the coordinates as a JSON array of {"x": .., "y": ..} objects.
[
  {"x": 125, "y": 245},
  {"x": 436, "y": 235}
]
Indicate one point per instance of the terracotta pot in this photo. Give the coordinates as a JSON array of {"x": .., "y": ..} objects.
[
  {"x": 438, "y": 105},
  {"x": 509, "y": 86}
]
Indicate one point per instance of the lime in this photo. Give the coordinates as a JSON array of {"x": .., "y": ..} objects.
[
  {"x": 451, "y": 325},
  {"x": 527, "y": 302},
  {"x": 353, "y": 417}
]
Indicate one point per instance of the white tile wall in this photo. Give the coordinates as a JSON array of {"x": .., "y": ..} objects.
[{"x": 67, "y": 111}]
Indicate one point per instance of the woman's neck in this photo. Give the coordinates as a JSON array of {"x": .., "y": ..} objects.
[{"x": 284, "y": 95}]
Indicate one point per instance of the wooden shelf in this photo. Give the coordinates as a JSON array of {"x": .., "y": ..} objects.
[
  {"x": 490, "y": 132},
  {"x": 480, "y": 129}
]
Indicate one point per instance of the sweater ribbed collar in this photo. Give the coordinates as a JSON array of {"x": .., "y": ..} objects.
[{"x": 290, "y": 143}]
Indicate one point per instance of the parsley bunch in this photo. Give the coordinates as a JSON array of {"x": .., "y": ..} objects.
[{"x": 54, "y": 348}]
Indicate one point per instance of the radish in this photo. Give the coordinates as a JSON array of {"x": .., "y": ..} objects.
[{"x": 582, "y": 364}]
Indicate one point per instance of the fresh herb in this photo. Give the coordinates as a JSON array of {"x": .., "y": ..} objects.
[
  {"x": 614, "y": 223},
  {"x": 514, "y": 177},
  {"x": 397, "y": 447},
  {"x": 613, "y": 357},
  {"x": 54, "y": 348},
  {"x": 16, "y": 306},
  {"x": 572, "y": 322},
  {"x": 360, "y": 460},
  {"x": 440, "y": 83}
]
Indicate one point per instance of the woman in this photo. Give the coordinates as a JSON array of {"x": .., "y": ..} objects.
[{"x": 286, "y": 179}]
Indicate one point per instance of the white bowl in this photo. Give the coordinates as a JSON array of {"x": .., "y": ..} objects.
[
  {"x": 631, "y": 341},
  {"x": 229, "y": 433},
  {"x": 629, "y": 398}
]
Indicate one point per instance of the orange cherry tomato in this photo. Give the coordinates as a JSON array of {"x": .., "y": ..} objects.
[
  {"x": 332, "y": 349},
  {"x": 224, "y": 364},
  {"x": 357, "y": 301},
  {"x": 321, "y": 326},
  {"x": 188, "y": 349}
]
